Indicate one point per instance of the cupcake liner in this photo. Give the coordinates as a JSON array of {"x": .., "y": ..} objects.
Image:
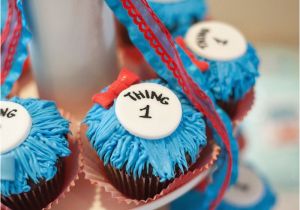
[
  {"x": 3, "y": 207},
  {"x": 94, "y": 171},
  {"x": 204, "y": 183},
  {"x": 244, "y": 106}
]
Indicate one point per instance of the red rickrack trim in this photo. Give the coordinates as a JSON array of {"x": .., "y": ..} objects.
[
  {"x": 5, "y": 31},
  {"x": 202, "y": 65},
  {"x": 204, "y": 105},
  {"x": 12, "y": 45}
]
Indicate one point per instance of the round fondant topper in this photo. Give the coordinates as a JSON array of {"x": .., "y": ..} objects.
[
  {"x": 248, "y": 190},
  {"x": 15, "y": 125},
  {"x": 148, "y": 110},
  {"x": 216, "y": 41}
]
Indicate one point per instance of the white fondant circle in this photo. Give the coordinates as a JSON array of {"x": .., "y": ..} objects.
[
  {"x": 15, "y": 125},
  {"x": 248, "y": 190},
  {"x": 149, "y": 117},
  {"x": 215, "y": 41}
]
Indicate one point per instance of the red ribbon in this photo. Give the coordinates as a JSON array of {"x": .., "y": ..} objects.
[
  {"x": 202, "y": 65},
  {"x": 5, "y": 31},
  {"x": 196, "y": 95},
  {"x": 125, "y": 79},
  {"x": 15, "y": 30}
]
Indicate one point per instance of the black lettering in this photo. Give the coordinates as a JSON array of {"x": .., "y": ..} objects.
[
  {"x": 202, "y": 45},
  {"x": 147, "y": 94},
  {"x": 165, "y": 100},
  {"x": 129, "y": 94},
  {"x": 147, "y": 108},
  {"x": 157, "y": 97},
  {"x": 3, "y": 112},
  {"x": 11, "y": 113},
  {"x": 139, "y": 95},
  {"x": 242, "y": 187},
  {"x": 220, "y": 41},
  {"x": 7, "y": 113},
  {"x": 201, "y": 38}
]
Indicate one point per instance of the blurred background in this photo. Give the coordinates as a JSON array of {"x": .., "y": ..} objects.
[
  {"x": 268, "y": 22},
  {"x": 74, "y": 38},
  {"x": 272, "y": 127}
]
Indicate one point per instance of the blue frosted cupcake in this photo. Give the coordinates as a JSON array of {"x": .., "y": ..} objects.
[
  {"x": 251, "y": 192},
  {"x": 33, "y": 146},
  {"x": 146, "y": 135},
  {"x": 179, "y": 15},
  {"x": 232, "y": 62}
]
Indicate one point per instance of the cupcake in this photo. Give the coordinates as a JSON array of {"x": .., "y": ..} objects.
[
  {"x": 232, "y": 67},
  {"x": 33, "y": 146},
  {"x": 146, "y": 135},
  {"x": 252, "y": 191},
  {"x": 179, "y": 15}
]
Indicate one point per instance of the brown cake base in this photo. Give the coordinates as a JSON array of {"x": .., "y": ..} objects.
[
  {"x": 147, "y": 185},
  {"x": 40, "y": 195},
  {"x": 237, "y": 110},
  {"x": 229, "y": 107}
]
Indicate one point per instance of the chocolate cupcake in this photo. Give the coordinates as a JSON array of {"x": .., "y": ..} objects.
[
  {"x": 232, "y": 67},
  {"x": 146, "y": 137},
  {"x": 178, "y": 16},
  {"x": 33, "y": 146}
]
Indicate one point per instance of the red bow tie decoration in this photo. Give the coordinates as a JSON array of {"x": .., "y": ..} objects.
[{"x": 125, "y": 79}]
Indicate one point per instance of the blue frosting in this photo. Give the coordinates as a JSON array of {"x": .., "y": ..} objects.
[
  {"x": 231, "y": 79},
  {"x": 117, "y": 147},
  {"x": 179, "y": 16},
  {"x": 37, "y": 156},
  {"x": 19, "y": 57},
  {"x": 194, "y": 197}
]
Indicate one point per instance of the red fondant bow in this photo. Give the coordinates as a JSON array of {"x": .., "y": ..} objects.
[{"x": 125, "y": 79}]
